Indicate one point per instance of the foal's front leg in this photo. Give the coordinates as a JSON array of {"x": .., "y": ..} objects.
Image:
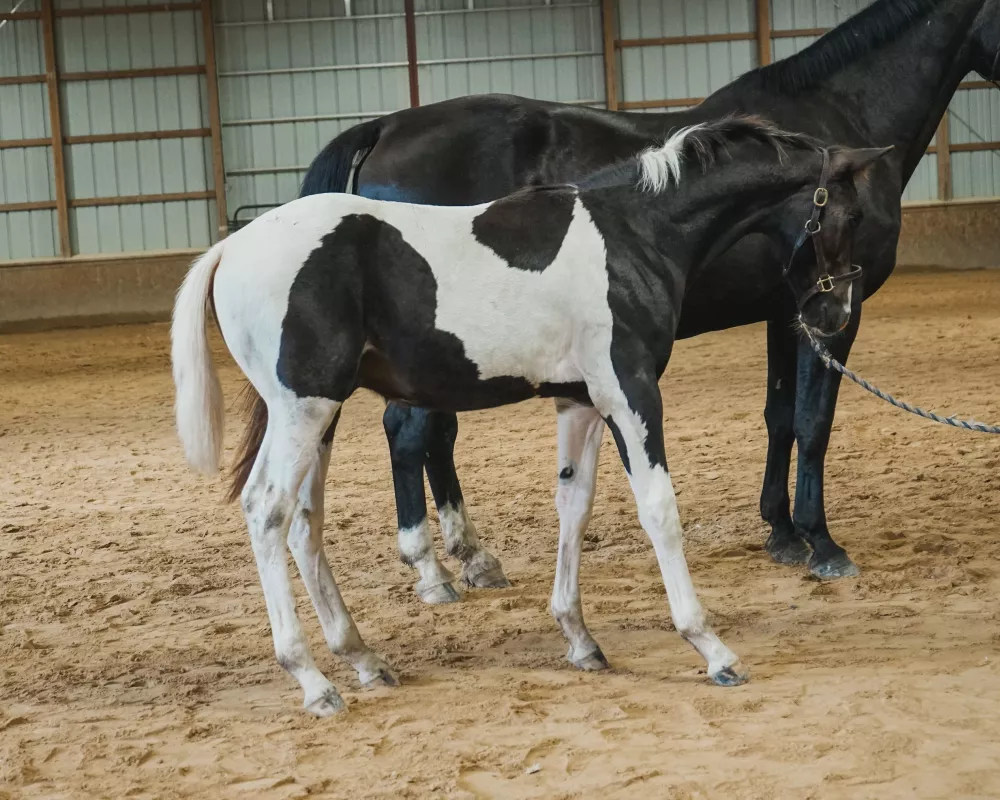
[
  {"x": 580, "y": 431},
  {"x": 634, "y": 413}
]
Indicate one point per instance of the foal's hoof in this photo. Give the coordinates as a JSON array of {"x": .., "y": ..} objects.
[
  {"x": 733, "y": 675},
  {"x": 839, "y": 566},
  {"x": 592, "y": 662},
  {"x": 787, "y": 550},
  {"x": 438, "y": 595},
  {"x": 327, "y": 704},
  {"x": 385, "y": 677},
  {"x": 492, "y": 578}
]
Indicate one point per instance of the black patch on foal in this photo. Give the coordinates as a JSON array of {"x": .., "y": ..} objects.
[{"x": 527, "y": 229}]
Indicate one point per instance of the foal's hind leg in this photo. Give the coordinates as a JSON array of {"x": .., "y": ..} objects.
[
  {"x": 480, "y": 568},
  {"x": 635, "y": 417},
  {"x": 305, "y": 540},
  {"x": 295, "y": 427},
  {"x": 580, "y": 432},
  {"x": 406, "y": 431}
]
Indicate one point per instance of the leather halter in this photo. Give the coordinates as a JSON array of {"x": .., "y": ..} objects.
[{"x": 826, "y": 282}]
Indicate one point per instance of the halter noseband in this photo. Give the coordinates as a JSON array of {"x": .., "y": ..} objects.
[{"x": 826, "y": 281}]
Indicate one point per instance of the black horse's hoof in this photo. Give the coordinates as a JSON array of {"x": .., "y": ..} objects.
[
  {"x": 733, "y": 675},
  {"x": 787, "y": 550},
  {"x": 837, "y": 566}
]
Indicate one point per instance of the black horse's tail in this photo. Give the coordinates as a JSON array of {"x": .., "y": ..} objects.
[{"x": 336, "y": 167}]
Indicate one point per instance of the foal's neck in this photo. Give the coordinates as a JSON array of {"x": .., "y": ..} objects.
[{"x": 692, "y": 223}]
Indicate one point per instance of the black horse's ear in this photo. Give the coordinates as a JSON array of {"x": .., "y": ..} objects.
[{"x": 854, "y": 160}]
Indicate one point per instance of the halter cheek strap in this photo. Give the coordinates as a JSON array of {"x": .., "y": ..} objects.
[{"x": 826, "y": 281}]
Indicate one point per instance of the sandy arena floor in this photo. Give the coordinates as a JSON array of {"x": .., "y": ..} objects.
[{"x": 135, "y": 654}]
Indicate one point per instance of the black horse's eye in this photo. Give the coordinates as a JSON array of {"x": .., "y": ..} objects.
[{"x": 854, "y": 219}]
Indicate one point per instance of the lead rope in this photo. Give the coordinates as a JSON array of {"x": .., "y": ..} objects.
[{"x": 831, "y": 363}]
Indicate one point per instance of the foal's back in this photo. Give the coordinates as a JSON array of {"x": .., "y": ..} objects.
[{"x": 492, "y": 296}]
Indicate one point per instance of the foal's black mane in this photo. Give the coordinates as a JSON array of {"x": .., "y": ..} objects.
[
  {"x": 704, "y": 144},
  {"x": 866, "y": 31}
]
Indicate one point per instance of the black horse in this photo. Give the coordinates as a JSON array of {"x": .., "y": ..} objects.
[{"x": 884, "y": 76}]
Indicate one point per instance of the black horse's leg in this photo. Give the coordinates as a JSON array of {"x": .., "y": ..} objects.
[
  {"x": 407, "y": 429},
  {"x": 784, "y": 545},
  {"x": 480, "y": 568},
  {"x": 816, "y": 402}
]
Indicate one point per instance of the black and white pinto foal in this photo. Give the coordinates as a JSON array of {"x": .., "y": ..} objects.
[{"x": 571, "y": 292}]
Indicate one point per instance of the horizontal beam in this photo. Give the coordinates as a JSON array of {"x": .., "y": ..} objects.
[
  {"x": 797, "y": 32},
  {"x": 676, "y": 102},
  {"x": 107, "y": 11},
  {"x": 429, "y": 62},
  {"x": 19, "y": 15},
  {"x": 977, "y": 85},
  {"x": 248, "y": 171},
  {"x": 137, "y": 199},
  {"x": 14, "y": 80},
  {"x": 7, "y": 144},
  {"x": 974, "y": 147},
  {"x": 356, "y": 17},
  {"x": 139, "y": 136},
  {"x": 43, "y": 205},
  {"x": 706, "y": 38},
  {"x": 116, "y": 74}
]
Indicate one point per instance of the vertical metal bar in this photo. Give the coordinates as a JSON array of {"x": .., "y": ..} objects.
[
  {"x": 610, "y": 27},
  {"x": 214, "y": 122},
  {"x": 945, "y": 188},
  {"x": 55, "y": 123},
  {"x": 411, "y": 53},
  {"x": 763, "y": 32}
]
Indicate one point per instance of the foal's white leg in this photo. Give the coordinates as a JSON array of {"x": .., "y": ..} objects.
[
  {"x": 580, "y": 431},
  {"x": 305, "y": 540},
  {"x": 269, "y": 499},
  {"x": 640, "y": 435}
]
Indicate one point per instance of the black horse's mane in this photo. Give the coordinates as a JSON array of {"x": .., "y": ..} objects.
[
  {"x": 704, "y": 144},
  {"x": 866, "y": 31}
]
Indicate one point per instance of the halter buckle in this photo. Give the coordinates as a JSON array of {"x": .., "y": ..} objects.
[
  {"x": 821, "y": 197},
  {"x": 825, "y": 283}
]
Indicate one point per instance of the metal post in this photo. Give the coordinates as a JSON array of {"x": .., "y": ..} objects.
[
  {"x": 763, "y": 32},
  {"x": 214, "y": 122},
  {"x": 411, "y": 53},
  {"x": 55, "y": 123},
  {"x": 609, "y": 23},
  {"x": 945, "y": 190}
]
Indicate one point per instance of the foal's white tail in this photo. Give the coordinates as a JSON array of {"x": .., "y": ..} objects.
[{"x": 199, "y": 408}]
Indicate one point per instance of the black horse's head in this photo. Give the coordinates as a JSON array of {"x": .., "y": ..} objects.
[
  {"x": 985, "y": 51},
  {"x": 823, "y": 217}
]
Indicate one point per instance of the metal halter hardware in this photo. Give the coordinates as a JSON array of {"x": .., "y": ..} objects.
[{"x": 826, "y": 282}]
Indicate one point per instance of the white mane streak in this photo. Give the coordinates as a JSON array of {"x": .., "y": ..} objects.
[{"x": 658, "y": 166}]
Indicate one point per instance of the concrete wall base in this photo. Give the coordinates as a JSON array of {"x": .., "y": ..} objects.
[
  {"x": 90, "y": 290},
  {"x": 140, "y": 287},
  {"x": 962, "y": 234}
]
